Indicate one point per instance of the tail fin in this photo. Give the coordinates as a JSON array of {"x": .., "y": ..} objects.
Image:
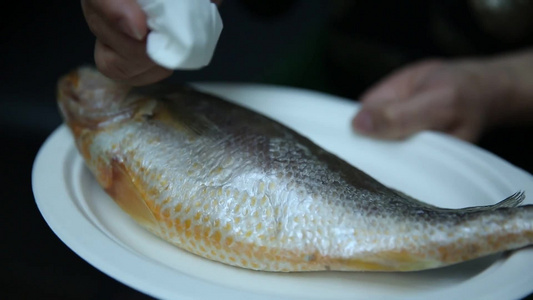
[
  {"x": 512, "y": 201},
  {"x": 491, "y": 229}
]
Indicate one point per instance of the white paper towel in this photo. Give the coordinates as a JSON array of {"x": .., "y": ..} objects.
[{"x": 184, "y": 33}]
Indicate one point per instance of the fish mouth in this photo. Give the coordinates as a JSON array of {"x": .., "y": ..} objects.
[{"x": 91, "y": 100}]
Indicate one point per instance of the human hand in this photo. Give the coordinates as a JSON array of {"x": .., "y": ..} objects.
[
  {"x": 120, "y": 51},
  {"x": 456, "y": 97}
]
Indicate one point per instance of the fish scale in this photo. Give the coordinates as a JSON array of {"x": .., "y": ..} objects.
[{"x": 233, "y": 186}]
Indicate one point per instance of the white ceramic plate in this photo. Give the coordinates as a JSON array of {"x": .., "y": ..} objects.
[{"x": 430, "y": 166}]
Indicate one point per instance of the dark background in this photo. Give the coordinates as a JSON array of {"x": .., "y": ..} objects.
[{"x": 42, "y": 40}]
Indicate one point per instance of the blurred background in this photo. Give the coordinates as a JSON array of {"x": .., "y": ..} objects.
[{"x": 296, "y": 43}]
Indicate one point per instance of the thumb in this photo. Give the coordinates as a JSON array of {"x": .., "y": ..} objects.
[
  {"x": 399, "y": 119},
  {"x": 126, "y": 15}
]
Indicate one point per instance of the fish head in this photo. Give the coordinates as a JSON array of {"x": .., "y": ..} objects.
[
  {"x": 92, "y": 104},
  {"x": 90, "y": 101}
]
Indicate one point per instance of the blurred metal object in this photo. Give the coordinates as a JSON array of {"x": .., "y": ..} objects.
[{"x": 507, "y": 20}]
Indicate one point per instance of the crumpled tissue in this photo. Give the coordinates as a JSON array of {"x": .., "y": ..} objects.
[{"x": 184, "y": 33}]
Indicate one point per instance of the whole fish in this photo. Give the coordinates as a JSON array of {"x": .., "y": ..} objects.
[{"x": 233, "y": 186}]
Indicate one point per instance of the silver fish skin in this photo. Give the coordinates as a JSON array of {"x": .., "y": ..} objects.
[{"x": 233, "y": 186}]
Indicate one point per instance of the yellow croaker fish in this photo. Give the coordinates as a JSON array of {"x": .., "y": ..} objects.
[{"x": 233, "y": 186}]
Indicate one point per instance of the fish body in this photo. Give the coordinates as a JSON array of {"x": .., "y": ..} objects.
[{"x": 233, "y": 186}]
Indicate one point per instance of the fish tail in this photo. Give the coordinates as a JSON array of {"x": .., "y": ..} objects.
[
  {"x": 518, "y": 220},
  {"x": 509, "y": 227},
  {"x": 512, "y": 201},
  {"x": 486, "y": 232}
]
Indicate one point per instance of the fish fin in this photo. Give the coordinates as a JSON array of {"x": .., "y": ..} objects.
[
  {"x": 128, "y": 196},
  {"x": 512, "y": 201},
  {"x": 191, "y": 119},
  {"x": 201, "y": 125}
]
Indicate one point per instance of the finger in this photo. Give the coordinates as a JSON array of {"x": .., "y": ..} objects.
[
  {"x": 466, "y": 133},
  {"x": 152, "y": 75},
  {"x": 432, "y": 110},
  {"x": 112, "y": 37},
  {"x": 468, "y": 128},
  {"x": 126, "y": 15},
  {"x": 117, "y": 55},
  {"x": 400, "y": 85},
  {"x": 116, "y": 66}
]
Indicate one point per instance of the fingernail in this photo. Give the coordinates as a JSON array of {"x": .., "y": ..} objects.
[
  {"x": 130, "y": 30},
  {"x": 364, "y": 121}
]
